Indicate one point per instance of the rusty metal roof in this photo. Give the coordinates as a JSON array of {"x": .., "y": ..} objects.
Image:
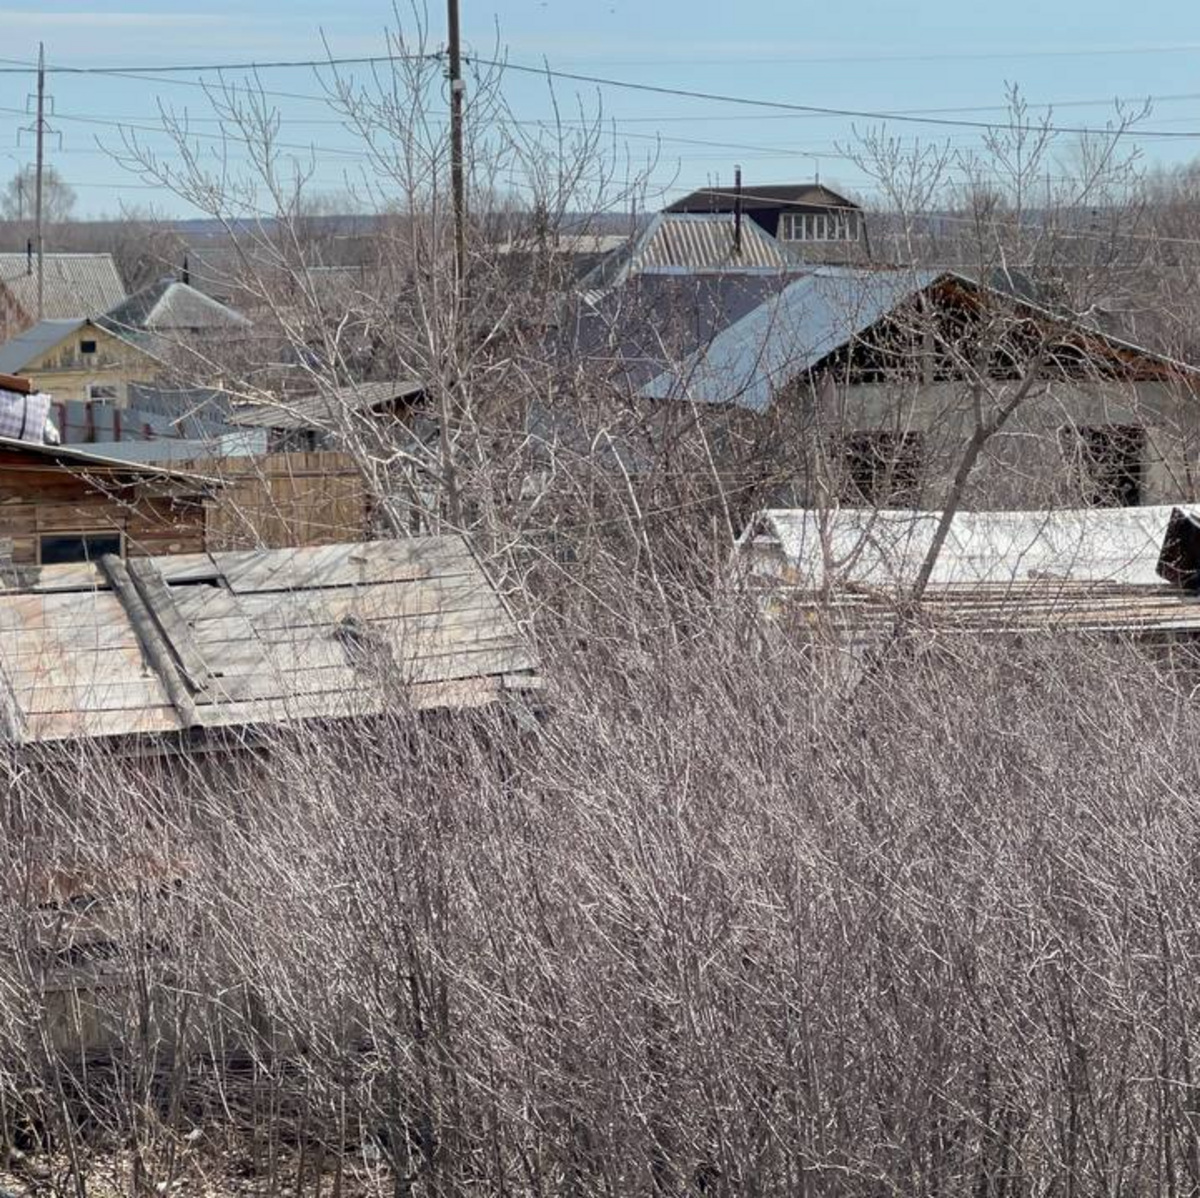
[{"x": 168, "y": 645}]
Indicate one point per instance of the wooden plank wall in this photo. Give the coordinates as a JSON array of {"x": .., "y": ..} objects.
[
  {"x": 284, "y": 499},
  {"x": 269, "y": 502},
  {"x": 37, "y": 502}
]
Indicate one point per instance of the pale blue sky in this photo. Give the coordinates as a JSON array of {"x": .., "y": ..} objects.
[{"x": 872, "y": 55}]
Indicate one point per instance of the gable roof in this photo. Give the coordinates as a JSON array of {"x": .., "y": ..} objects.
[
  {"x": 816, "y": 314},
  {"x": 17, "y": 353},
  {"x": 690, "y": 244},
  {"x": 73, "y": 285},
  {"x": 42, "y": 337},
  {"x": 171, "y": 306},
  {"x": 206, "y": 641},
  {"x": 767, "y": 195},
  {"x": 788, "y": 334}
]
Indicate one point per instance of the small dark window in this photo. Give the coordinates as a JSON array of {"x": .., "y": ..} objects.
[
  {"x": 77, "y": 547},
  {"x": 883, "y": 469},
  {"x": 1110, "y": 461},
  {"x": 87, "y": 347}
]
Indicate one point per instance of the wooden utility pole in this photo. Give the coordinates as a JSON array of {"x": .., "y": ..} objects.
[
  {"x": 37, "y": 187},
  {"x": 458, "y": 183}
]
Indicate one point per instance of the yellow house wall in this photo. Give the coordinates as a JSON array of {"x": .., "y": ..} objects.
[{"x": 65, "y": 372}]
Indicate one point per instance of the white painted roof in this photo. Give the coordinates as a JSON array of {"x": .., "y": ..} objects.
[{"x": 884, "y": 549}]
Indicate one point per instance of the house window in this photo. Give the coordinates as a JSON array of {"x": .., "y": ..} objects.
[
  {"x": 883, "y": 469},
  {"x": 103, "y": 392},
  {"x": 1110, "y": 461},
  {"x": 87, "y": 347},
  {"x": 56, "y": 548},
  {"x": 819, "y": 226}
]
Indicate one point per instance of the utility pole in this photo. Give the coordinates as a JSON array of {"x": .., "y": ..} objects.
[
  {"x": 458, "y": 182},
  {"x": 37, "y": 187}
]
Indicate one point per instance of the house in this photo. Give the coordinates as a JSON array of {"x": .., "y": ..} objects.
[
  {"x": 82, "y": 358},
  {"x": 182, "y": 648},
  {"x": 73, "y": 286},
  {"x": 873, "y": 378},
  {"x": 63, "y": 504},
  {"x": 812, "y": 221},
  {"x": 848, "y": 572}
]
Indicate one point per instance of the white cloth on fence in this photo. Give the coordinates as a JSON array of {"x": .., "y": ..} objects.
[{"x": 24, "y": 417}]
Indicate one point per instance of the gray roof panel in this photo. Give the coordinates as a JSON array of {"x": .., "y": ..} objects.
[
  {"x": 16, "y": 354},
  {"x": 788, "y": 334},
  {"x": 74, "y": 285}
]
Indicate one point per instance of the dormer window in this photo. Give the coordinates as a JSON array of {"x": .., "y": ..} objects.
[
  {"x": 87, "y": 347},
  {"x": 819, "y": 226}
]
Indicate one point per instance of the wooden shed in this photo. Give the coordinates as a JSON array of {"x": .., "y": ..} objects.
[{"x": 59, "y": 503}]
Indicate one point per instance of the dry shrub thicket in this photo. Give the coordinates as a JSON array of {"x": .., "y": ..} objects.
[
  {"x": 707, "y": 929},
  {"x": 710, "y": 921}
]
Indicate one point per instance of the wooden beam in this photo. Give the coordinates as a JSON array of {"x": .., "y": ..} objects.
[
  {"x": 149, "y": 637},
  {"x": 157, "y": 597}
]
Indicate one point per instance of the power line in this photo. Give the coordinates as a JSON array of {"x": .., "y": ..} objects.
[
  {"x": 819, "y": 110},
  {"x": 217, "y": 67}
]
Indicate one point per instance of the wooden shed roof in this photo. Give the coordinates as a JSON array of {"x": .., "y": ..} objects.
[{"x": 201, "y": 641}]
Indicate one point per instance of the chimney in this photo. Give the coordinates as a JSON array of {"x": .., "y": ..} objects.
[
  {"x": 737, "y": 210},
  {"x": 186, "y": 274},
  {"x": 29, "y": 256}
]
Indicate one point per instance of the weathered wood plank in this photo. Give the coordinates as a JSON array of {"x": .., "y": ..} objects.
[
  {"x": 471, "y": 692},
  {"x": 73, "y": 725},
  {"x": 157, "y": 597},
  {"x": 97, "y": 695},
  {"x": 276, "y": 609},
  {"x": 345, "y": 565}
]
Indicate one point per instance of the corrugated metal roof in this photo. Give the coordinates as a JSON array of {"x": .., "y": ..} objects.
[
  {"x": 1090, "y": 570},
  {"x": 244, "y": 443},
  {"x": 153, "y": 646},
  {"x": 884, "y": 549},
  {"x": 788, "y": 334},
  {"x": 74, "y": 285},
  {"x": 326, "y": 409},
  {"x": 675, "y": 243}
]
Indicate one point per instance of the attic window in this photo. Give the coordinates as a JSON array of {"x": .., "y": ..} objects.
[
  {"x": 883, "y": 469},
  {"x": 87, "y": 347},
  {"x": 819, "y": 226}
]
